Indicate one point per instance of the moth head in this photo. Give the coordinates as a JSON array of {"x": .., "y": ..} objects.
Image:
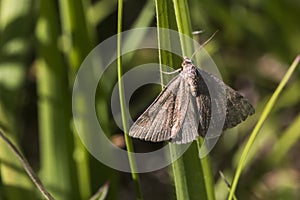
[{"x": 186, "y": 61}]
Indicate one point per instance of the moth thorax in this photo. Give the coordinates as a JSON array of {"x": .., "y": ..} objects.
[
  {"x": 193, "y": 86},
  {"x": 190, "y": 75}
]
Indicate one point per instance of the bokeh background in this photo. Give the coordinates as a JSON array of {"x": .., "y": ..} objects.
[{"x": 42, "y": 44}]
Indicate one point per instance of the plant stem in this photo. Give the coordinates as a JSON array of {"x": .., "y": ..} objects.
[
  {"x": 35, "y": 179},
  {"x": 259, "y": 124},
  {"x": 58, "y": 168},
  {"x": 128, "y": 141},
  {"x": 202, "y": 180}
]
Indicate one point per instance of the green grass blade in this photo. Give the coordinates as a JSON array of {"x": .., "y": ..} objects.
[
  {"x": 128, "y": 141},
  {"x": 16, "y": 46},
  {"x": 101, "y": 193},
  {"x": 56, "y": 139},
  {"x": 146, "y": 16},
  {"x": 143, "y": 20},
  {"x": 76, "y": 38},
  {"x": 198, "y": 172},
  {"x": 165, "y": 16},
  {"x": 184, "y": 25},
  {"x": 190, "y": 179},
  {"x": 179, "y": 178},
  {"x": 259, "y": 124},
  {"x": 35, "y": 179},
  {"x": 100, "y": 10},
  {"x": 289, "y": 138},
  {"x": 74, "y": 28},
  {"x": 207, "y": 174}
]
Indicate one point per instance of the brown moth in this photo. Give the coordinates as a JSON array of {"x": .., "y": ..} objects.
[{"x": 182, "y": 111}]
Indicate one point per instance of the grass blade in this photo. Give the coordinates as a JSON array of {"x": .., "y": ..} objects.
[
  {"x": 128, "y": 141},
  {"x": 259, "y": 124},
  {"x": 56, "y": 139},
  {"x": 74, "y": 28},
  {"x": 27, "y": 167},
  {"x": 201, "y": 182},
  {"x": 164, "y": 15},
  {"x": 101, "y": 193},
  {"x": 289, "y": 138},
  {"x": 16, "y": 44},
  {"x": 184, "y": 25}
]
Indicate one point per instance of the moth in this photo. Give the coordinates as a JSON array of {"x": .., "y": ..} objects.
[{"x": 182, "y": 111}]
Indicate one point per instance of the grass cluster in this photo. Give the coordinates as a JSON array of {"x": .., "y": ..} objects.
[{"x": 42, "y": 45}]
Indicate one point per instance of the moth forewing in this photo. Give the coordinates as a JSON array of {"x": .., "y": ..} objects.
[{"x": 163, "y": 118}]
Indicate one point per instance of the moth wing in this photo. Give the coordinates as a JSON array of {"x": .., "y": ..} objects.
[
  {"x": 203, "y": 102},
  {"x": 237, "y": 107},
  {"x": 189, "y": 128},
  {"x": 163, "y": 118}
]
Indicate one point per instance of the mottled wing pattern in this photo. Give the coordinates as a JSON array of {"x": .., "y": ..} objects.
[
  {"x": 189, "y": 128},
  {"x": 165, "y": 115},
  {"x": 203, "y": 102},
  {"x": 237, "y": 107}
]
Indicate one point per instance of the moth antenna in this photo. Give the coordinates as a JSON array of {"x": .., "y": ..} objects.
[
  {"x": 197, "y": 32},
  {"x": 173, "y": 72},
  {"x": 226, "y": 182},
  {"x": 201, "y": 46},
  {"x": 224, "y": 179}
]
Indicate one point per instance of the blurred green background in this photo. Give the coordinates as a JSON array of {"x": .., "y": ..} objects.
[{"x": 42, "y": 44}]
